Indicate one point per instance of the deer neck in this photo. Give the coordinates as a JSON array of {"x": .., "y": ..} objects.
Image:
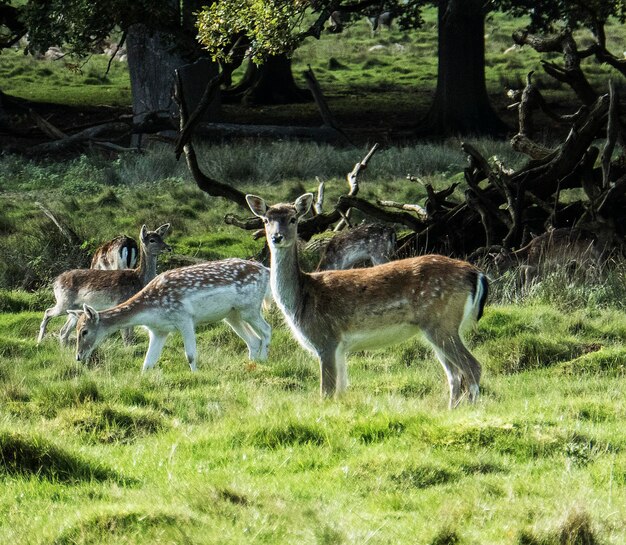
[
  {"x": 286, "y": 279},
  {"x": 146, "y": 270},
  {"x": 128, "y": 314}
]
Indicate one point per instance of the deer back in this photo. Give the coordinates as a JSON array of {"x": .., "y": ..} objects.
[{"x": 373, "y": 242}]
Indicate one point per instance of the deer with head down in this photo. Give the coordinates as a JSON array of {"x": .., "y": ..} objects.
[
  {"x": 104, "y": 288},
  {"x": 120, "y": 253},
  {"x": 232, "y": 290},
  {"x": 334, "y": 313}
]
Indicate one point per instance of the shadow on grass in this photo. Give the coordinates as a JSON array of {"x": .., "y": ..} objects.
[{"x": 33, "y": 456}]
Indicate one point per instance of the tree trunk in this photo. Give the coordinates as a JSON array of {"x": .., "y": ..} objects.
[
  {"x": 152, "y": 60},
  {"x": 461, "y": 104},
  {"x": 270, "y": 83}
]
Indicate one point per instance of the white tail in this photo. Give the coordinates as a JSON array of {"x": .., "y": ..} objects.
[
  {"x": 179, "y": 299},
  {"x": 104, "y": 288},
  {"x": 371, "y": 242},
  {"x": 333, "y": 313},
  {"x": 120, "y": 253}
]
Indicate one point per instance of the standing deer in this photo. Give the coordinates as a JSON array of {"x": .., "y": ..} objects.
[
  {"x": 334, "y": 313},
  {"x": 232, "y": 290},
  {"x": 373, "y": 242},
  {"x": 120, "y": 253},
  {"x": 103, "y": 289}
]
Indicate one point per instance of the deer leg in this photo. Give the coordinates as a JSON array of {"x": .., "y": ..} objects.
[
  {"x": 341, "y": 369},
  {"x": 47, "y": 315},
  {"x": 261, "y": 329},
  {"x": 128, "y": 336},
  {"x": 457, "y": 355},
  {"x": 470, "y": 367},
  {"x": 66, "y": 330},
  {"x": 452, "y": 371},
  {"x": 155, "y": 347},
  {"x": 328, "y": 371},
  {"x": 189, "y": 340},
  {"x": 252, "y": 341},
  {"x": 452, "y": 374}
]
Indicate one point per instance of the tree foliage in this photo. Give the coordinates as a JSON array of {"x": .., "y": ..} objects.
[
  {"x": 78, "y": 25},
  {"x": 548, "y": 14},
  {"x": 274, "y": 27}
]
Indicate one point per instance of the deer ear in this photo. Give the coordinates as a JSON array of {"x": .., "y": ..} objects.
[
  {"x": 303, "y": 204},
  {"x": 144, "y": 232},
  {"x": 91, "y": 313},
  {"x": 257, "y": 205},
  {"x": 162, "y": 231},
  {"x": 76, "y": 313}
]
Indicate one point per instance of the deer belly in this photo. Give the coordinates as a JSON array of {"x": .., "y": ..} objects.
[
  {"x": 378, "y": 337},
  {"x": 99, "y": 300}
]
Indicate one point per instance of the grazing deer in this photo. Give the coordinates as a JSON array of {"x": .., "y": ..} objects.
[
  {"x": 564, "y": 246},
  {"x": 232, "y": 290},
  {"x": 120, "y": 253},
  {"x": 104, "y": 289},
  {"x": 373, "y": 242},
  {"x": 333, "y": 313}
]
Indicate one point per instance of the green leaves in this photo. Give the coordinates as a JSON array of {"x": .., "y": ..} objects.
[{"x": 272, "y": 27}]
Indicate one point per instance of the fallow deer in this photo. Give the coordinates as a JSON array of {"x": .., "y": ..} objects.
[
  {"x": 232, "y": 290},
  {"x": 103, "y": 289},
  {"x": 370, "y": 242},
  {"x": 563, "y": 246},
  {"x": 334, "y": 313},
  {"x": 120, "y": 253}
]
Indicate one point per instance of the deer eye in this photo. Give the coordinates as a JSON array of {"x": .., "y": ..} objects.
[
  {"x": 83, "y": 332},
  {"x": 292, "y": 220},
  {"x": 266, "y": 221}
]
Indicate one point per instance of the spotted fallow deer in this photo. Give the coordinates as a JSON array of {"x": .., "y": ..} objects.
[
  {"x": 232, "y": 290},
  {"x": 370, "y": 242},
  {"x": 334, "y": 313},
  {"x": 103, "y": 289},
  {"x": 120, "y": 253}
]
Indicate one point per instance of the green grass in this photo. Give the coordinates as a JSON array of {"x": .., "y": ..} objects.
[
  {"x": 65, "y": 82},
  {"x": 248, "y": 453},
  {"x": 244, "y": 453}
]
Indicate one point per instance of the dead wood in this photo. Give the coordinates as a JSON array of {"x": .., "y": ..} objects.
[
  {"x": 570, "y": 72},
  {"x": 93, "y": 134}
]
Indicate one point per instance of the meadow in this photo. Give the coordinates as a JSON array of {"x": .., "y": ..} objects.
[{"x": 244, "y": 452}]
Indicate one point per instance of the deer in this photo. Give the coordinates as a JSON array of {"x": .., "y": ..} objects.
[
  {"x": 373, "y": 242},
  {"x": 120, "y": 253},
  {"x": 232, "y": 290},
  {"x": 563, "y": 245},
  {"x": 104, "y": 288},
  {"x": 335, "y": 313}
]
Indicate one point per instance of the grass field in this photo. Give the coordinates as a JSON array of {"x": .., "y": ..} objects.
[{"x": 245, "y": 452}]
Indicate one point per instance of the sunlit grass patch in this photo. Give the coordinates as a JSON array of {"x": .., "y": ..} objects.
[{"x": 110, "y": 424}]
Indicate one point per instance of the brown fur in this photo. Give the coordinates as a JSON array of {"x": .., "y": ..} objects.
[
  {"x": 373, "y": 242},
  {"x": 104, "y": 288},
  {"x": 333, "y": 313}
]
